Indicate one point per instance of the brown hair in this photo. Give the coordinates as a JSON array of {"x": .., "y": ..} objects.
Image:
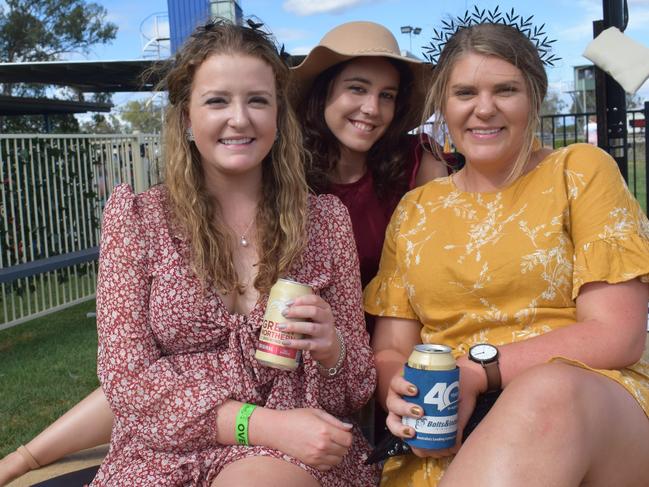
[
  {"x": 387, "y": 158},
  {"x": 508, "y": 44},
  {"x": 282, "y": 214}
]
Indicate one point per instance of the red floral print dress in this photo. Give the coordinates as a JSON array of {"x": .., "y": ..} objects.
[{"x": 170, "y": 354}]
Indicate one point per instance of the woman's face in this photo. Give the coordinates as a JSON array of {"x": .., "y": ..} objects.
[
  {"x": 487, "y": 110},
  {"x": 233, "y": 114},
  {"x": 361, "y": 102}
]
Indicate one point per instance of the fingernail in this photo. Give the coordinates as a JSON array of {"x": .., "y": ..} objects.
[
  {"x": 281, "y": 326},
  {"x": 412, "y": 389},
  {"x": 289, "y": 303},
  {"x": 286, "y": 343},
  {"x": 285, "y": 311},
  {"x": 407, "y": 432},
  {"x": 416, "y": 411},
  {"x": 348, "y": 425}
]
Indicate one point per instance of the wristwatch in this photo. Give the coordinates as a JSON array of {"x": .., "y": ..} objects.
[{"x": 487, "y": 356}]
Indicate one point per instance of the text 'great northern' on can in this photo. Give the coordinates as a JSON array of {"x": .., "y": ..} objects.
[
  {"x": 270, "y": 350},
  {"x": 432, "y": 369}
]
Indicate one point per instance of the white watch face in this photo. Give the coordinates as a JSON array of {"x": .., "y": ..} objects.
[{"x": 484, "y": 352}]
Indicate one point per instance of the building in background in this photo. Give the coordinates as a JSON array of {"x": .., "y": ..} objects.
[
  {"x": 186, "y": 15},
  {"x": 583, "y": 95}
]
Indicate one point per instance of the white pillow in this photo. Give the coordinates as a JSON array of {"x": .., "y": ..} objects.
[{"x": 620, "y": 56}]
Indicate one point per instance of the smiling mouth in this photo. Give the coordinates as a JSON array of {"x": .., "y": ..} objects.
[
  {"x": 244, "y": 141},
  {"x": 365, "y": 127},
  {"x": 482, "y": 132}
]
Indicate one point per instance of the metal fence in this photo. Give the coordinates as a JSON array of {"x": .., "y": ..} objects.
[
  {"x": 561, "y": 130},
  {"x": 54, "y": 188}
]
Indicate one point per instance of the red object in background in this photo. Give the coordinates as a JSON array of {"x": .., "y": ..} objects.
[{"x": 637, "y": 123}]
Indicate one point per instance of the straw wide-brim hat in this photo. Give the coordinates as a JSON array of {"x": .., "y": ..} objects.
[{"x": 356, "y": 39}]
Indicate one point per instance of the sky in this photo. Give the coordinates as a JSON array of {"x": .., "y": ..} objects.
[{"x": 300, "y": 24}]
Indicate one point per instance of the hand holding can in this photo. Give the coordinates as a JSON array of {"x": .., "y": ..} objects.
[
  {"x": 271, "y": 350},
  {"x": 432, "y": 369}
]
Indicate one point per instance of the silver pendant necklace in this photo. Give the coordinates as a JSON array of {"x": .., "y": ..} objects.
[{"x": 243, "y": 240}]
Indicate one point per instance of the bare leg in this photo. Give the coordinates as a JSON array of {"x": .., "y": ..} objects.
[
  {"x": 557, "y": 425},
  {"x": 86, "y": 425},
  {"x": 264, "y": 471}
]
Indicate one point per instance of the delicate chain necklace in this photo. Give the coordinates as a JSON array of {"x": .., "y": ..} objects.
[{"x": 243, "y": 240}]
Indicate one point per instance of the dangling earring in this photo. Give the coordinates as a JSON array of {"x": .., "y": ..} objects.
[
  {"x": 446, "y": 137},
  {"x": 189, "y": 135},
  {"x": 447, "y": 142}
]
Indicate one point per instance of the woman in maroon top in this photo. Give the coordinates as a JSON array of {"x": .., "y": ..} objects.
[{"x": 358, "y": 97}]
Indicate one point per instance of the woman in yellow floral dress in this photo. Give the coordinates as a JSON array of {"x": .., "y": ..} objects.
[{"x": 544, "y": 255}]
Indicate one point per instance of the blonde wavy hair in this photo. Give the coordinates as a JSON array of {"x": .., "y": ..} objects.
[
  {"x": 508, "y": 44},
  {"x": 282, "y": 213}
]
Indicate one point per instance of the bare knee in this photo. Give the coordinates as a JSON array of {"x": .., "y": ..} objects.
[{"x": 546, "y": 400}]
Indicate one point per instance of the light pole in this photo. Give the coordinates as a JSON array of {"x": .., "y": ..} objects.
[{"x": 410, "y": 30}]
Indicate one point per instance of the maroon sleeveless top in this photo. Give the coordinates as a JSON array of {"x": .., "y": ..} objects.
[{"x": 370, "y": 214}]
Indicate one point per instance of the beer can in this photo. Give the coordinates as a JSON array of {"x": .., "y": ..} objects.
[
  {"x": 270, "y": 350},
  {"x": 432, "y": 369}
]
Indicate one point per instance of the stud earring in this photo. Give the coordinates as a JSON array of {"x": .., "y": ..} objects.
[{"x": 189, "y": 135}]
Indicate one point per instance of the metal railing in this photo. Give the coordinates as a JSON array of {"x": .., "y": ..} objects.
[
  {"x": 560, "y": 130},
  {"x": 54, "y": 188}
]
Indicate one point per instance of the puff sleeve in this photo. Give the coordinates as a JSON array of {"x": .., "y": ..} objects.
[
  {"x": 386, "y": 294},
  {"x": 160, "y": 399},
  {"x": 609, "y": 230},
  {"x": 349, "y": 390}
]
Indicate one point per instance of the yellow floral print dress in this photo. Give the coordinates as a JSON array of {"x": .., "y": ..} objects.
[{"x": 506, "y": 266}]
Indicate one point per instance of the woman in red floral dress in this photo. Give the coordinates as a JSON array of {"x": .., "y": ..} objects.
[
  {"x": 179, "y": 331},
  {"x": 185, "y": 270}
]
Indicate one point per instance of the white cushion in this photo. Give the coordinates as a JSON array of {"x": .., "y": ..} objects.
[{"x": 624, "y": 59}]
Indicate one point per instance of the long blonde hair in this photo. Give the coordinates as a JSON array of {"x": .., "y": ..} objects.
[
  {"x": 508, "y": 44},
  {"x": 282, "y": 213}
]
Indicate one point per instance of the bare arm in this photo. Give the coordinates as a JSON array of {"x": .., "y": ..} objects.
[
  {"x": 394, "y": 339},
  {"x": 311, "y": 435},
  {"x": 429, "y": 168},
  {"x": 609, "y": 332}
]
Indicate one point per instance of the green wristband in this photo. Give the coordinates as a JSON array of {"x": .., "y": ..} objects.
[{"x": 241, "y": 426}]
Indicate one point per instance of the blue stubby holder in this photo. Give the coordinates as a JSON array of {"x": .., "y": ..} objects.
[{"x": 437, "y": 394}]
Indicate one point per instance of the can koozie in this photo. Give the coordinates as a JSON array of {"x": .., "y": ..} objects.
[{"x": 437, "y": 394}]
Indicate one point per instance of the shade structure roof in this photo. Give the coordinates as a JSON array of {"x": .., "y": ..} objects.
[
  {"x": 87, "y": 76},
  {"x": 19, "y": 105}
]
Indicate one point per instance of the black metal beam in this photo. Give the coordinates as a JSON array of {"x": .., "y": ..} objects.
[{"x": 615, "y": 142}]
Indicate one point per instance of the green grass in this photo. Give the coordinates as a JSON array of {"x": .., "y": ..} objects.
[
  {"x": 45, "y": 292},
  {"x": 46, "y": 366}
]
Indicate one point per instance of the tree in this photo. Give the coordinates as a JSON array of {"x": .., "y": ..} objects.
[
  {"x": 103, "y": 124},
  {"x": 552, "y": 104},
  {"x": 46, "y": 30},
  {"x": 634, "y": 102},
  {"x": 43, "y": 30},
  {"x": 143, "y": 116}
]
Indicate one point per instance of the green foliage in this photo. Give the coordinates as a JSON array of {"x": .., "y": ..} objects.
[
  {"x": 46, "y": 367},
  {"x": 552, "y": 104},
  {"x": 62, "y": 172},
  {"x": 42, "y": 30},
  {"x": 143, "y": 116},
  {"x": 45, "y": 30},
  {"x": 103, "y": 124}
]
